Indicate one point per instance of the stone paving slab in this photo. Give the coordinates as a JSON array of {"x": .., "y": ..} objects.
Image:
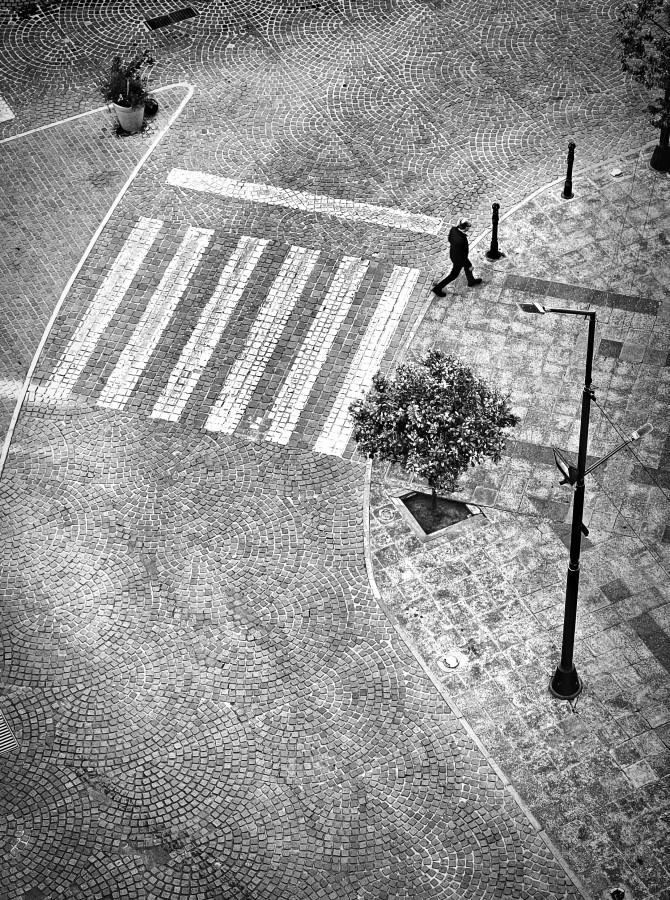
[{"x": 594, "y": 772}]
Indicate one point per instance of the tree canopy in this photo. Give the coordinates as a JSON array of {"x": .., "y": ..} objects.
[
  {"x": 644, "y": 31},
  {"x": 436, "y": 418}
]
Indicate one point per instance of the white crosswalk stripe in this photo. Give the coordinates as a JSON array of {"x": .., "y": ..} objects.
[
  {"x": 353, "y": 210},
  {"x": 159, "y": 310},
  {"x": 338, "y": 428},
  {"x": 207, "y": 333},
  {"x": 313, "y": 352},
  {"x": 247, "y": 371},
  {"x": 311, "y": 376},
  {"x": 100, "y": 311}
]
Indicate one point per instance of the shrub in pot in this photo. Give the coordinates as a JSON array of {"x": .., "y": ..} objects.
[{"x": 125, "y": 87}]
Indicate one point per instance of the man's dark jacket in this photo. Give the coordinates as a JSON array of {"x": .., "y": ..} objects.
[{"x": 458, "y": 246}]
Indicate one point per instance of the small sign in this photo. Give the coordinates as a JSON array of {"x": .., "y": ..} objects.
[
  {"x": 8, "y": 742},
  {"x": 6, "y": 115}
]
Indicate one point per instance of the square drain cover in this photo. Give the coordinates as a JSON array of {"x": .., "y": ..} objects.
[{"x": 171, "y": 18}]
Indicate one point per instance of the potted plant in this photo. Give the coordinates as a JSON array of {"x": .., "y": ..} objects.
[{"x": 125, "y": 87}]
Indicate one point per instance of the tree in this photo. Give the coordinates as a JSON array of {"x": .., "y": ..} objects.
[
  {"x": 435, "y": 418},
  {"x": 644, "y": 31}
]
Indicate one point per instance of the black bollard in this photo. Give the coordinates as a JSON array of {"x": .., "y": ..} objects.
[
  {"x": 494, "y": 251},
  {"x": 567, "y": 187}
]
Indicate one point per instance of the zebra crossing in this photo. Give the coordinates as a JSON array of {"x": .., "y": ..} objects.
[{"x": 223, "y": 368}]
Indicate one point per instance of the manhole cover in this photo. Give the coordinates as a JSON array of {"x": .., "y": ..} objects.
[
  {"x": 451, "y": 661},
  {"x": 386, "y": 514},
  {"x": 617, "y": 892}
]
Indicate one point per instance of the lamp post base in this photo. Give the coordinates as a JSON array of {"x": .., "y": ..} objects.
[
  {"x": 660, "y": 159},
  {"x": 566, "y": 684}
]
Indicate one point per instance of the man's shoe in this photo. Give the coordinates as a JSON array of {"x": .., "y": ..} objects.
[
  {"x": 438, "y": 291},
  {"x": 475, "y": 282}
]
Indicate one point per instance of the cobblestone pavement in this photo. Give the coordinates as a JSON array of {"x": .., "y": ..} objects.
[
  {"x": 596, "y": 773},
  {"x": 301, "y": 96},
  {"x": 58, "y": 184},
  {"x": 207, "y": 697}
]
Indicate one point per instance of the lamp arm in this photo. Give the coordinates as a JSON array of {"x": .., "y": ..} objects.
[{"x": 603, "y": 459}]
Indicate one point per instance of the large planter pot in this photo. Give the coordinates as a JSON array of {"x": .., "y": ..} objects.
[{"x": 129, "y": 119}]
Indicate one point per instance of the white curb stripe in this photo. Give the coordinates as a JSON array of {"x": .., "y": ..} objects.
[
  {"x": 337, "y": 430},
  {"x": 101, "y": 310},
  {"x": 98, "y": 231},
  {"x": 159, "y": 311},
  {"x": 207, "y": 333},
  {"x": 263, "y": 337},
  {"x": 299, "y": 382},
  {"x": 313, "y": 203}
]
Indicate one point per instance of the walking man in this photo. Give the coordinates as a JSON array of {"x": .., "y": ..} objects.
[{"x": 458, "y": 251}]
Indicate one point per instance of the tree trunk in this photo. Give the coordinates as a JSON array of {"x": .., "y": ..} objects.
[
  {"x": 433, "y": 502},
  {"x": 660, "y": 159}
]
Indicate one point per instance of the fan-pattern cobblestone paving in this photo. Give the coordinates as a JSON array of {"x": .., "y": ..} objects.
[{"x": 207, "y": 698}]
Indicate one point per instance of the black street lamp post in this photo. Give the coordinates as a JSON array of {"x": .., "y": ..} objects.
[
  {"x": 566, "y": 683},
  {"x": 494, "y": 251},
  {"x": 567, "y": 187}
]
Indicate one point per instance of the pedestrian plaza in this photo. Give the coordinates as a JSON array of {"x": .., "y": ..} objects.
[{"x": 231, "y": 670}]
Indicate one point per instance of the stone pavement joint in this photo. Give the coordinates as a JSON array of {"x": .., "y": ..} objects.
[{"x": 541, "y": 288}]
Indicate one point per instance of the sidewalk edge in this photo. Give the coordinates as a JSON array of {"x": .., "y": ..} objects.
[
  {"x": 81, "y": 115},
  {"x": 439, "y": 687},
  {"x": 594, "y": 167},
  {"x": 66, "y": 290}
]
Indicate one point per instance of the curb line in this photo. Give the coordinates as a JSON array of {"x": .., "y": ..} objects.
[
  {"x": 66, "y": 290},
  {"x": 442, "y": 691},
  {"x": 89, "y": 112},
  {"x": 594, "y": 167}
]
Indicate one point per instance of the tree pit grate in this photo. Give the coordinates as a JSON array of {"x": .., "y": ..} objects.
[
  {"x": 447, "y": 512},
  {"x": 448, "y": 521}
]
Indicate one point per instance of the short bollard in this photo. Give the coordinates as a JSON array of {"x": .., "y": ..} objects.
[
  {"x": 494, "y": 251},
  {"x": 567, "y": 187}
]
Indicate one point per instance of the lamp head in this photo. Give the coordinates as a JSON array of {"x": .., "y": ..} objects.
[
  {"x": 569, "y": 473},
  {"x": 642, "y": 431},
  {"x": 533, "y": 308}
]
